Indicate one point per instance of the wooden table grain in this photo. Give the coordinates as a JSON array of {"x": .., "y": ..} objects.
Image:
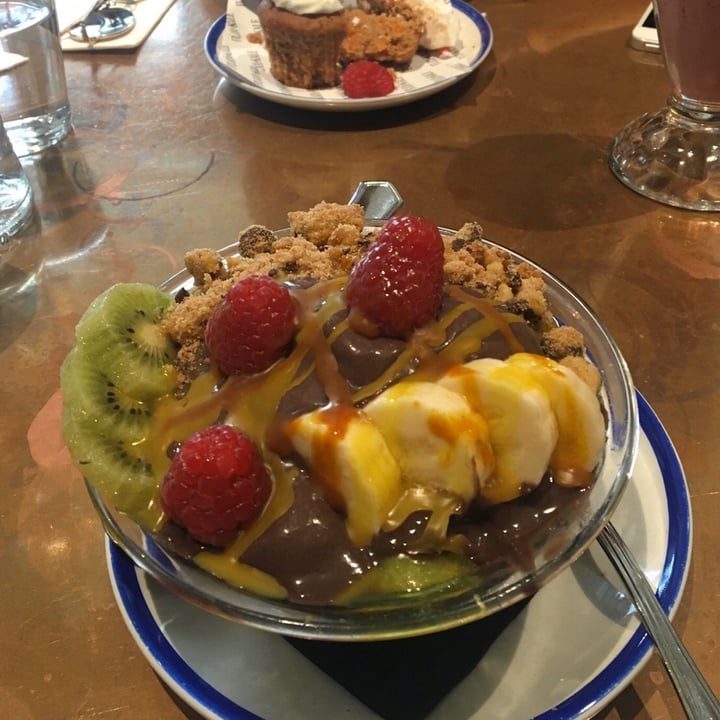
[{"x": 165, "y": 156}]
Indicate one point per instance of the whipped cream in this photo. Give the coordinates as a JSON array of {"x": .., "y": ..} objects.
[
  {"x": 441, "y": 23},
  {"x": 315, "y": 7}
]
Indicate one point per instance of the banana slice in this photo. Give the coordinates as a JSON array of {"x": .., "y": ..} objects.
[
  {"x": 522, "y": 427},
  {"x": 435, "y": 436},
  {"x": 580, "y": 420},
  {"x": 348, "y": 456}
]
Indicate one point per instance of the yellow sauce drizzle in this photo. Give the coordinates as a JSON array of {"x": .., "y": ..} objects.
[{"x": 250, "y": 404}]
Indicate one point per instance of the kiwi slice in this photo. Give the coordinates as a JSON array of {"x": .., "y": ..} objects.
[
  {"x": 119, "y": 332},
  {"x": 405, "y": 578},
  {"x": 94, "y": 401},
  {"x": 110, "y": 381},
  {"x": 104, "y": 429},
  {"x": 112, "y": 465}
]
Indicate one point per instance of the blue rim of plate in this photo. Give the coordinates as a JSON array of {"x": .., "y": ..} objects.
[
  {"x": 204, "y": 697},
  {"x": 212, "y": 39}
]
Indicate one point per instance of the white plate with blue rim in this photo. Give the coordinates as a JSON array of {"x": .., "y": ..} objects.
[
  {"x": 574, "y": 646},
  {"x": 244, "y": 63}
]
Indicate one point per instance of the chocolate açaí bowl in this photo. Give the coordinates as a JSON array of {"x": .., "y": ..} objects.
[{"x": 543, "y": 542}]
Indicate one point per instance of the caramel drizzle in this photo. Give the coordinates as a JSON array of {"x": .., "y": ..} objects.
[
  {"x": 499, "y": 320},
  {"x": 251, "y": 403}
]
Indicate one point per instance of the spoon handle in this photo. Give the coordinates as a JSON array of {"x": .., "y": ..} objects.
[
  {"x": 698, "y": 700},
  {"x": 379, "y": 198}
]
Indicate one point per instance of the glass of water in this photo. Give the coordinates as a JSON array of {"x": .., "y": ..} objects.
[
  {"x": 15, "y": 192},
  {"x": 33, "y": 92}
]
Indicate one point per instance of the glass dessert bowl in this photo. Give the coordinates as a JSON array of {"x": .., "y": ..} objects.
[{"x": 541, "y": 535}]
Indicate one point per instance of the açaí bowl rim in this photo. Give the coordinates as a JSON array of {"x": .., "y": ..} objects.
[{"x": 436, "y": 612}]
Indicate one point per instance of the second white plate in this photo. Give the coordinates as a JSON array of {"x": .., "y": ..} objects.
[
  {"x": 246, "y": 65},
  {"x": 574, "y": 646}
]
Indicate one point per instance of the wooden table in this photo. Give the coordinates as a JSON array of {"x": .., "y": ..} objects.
[{"x": 166, "y": 157}]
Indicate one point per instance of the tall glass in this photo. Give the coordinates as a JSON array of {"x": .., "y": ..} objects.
[
  {"x": 33, "y": 91},
  {"x": 673, "y": 154},
  {"x": 16, "y": 199}
]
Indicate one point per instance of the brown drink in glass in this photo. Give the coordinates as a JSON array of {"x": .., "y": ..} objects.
[
  {"x": 673, "y": 155},
  {"x": 690, "y": 39}
]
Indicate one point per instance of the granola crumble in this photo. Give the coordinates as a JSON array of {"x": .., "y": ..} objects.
[{"x": 326, "y": 241}]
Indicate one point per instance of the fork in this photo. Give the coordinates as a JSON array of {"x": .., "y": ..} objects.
[{"x": 698, "y": 700}]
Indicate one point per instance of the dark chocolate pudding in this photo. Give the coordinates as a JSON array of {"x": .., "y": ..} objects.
[{"x": 307, "y": 548}]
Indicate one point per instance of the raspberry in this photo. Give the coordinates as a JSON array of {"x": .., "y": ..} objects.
[
  {"x": 251, "y": 328},
  {"x": 365, "y": 78},
  {"x": 216, "y": 485},
  {"x": 398, "y": 284}
]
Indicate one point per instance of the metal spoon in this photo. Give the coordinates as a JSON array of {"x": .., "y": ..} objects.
[
  {"x": 698, "y": 700},
  {"x": 379, "y": 198}
]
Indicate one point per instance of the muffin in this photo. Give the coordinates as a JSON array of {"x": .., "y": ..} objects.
[
  {"x": 384, "y": 38},
  {"x": 303, "y": 49}
]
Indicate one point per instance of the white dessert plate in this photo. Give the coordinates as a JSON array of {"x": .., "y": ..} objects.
[
  {"x": 246, "y": 65},
  {"x": 576, "y": 645}
]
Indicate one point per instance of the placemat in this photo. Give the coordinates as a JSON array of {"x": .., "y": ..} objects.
[
  {"x": 405, "y": 679},
  {"x": 148, "y": 14}
]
